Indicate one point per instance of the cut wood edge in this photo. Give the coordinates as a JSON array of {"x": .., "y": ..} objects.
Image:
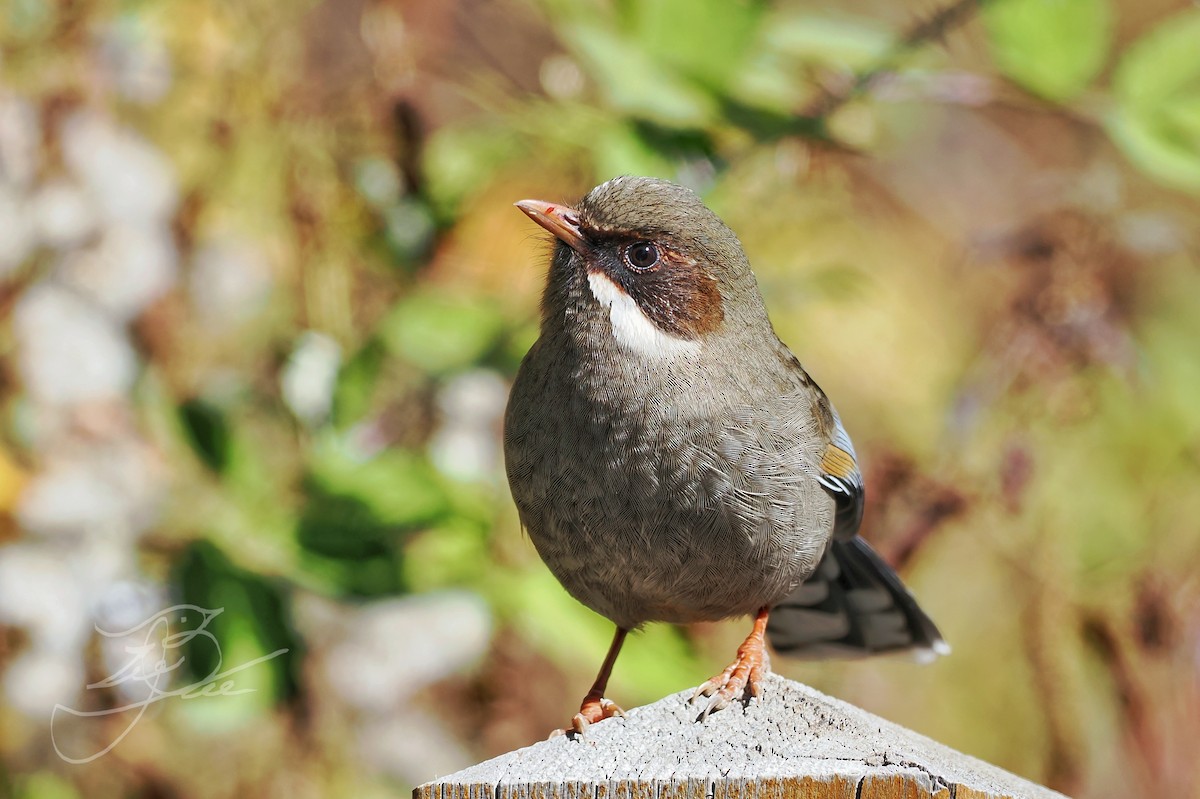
[{"x": 791, "y": 743}]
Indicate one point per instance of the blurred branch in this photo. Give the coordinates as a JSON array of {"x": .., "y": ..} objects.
[
  {"x": 1102, "y": 637},
  {"x": 911, "y": 503},
  {"x": 924, "y": 31},
  {"x": 1042, "y": 625}
]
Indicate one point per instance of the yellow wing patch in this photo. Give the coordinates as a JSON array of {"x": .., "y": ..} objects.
[{"x": 837, "y": 462}]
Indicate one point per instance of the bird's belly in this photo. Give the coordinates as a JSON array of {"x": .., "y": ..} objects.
[
  {"x": 634, "y": 573},
  {"x": 640, "y": 529}
]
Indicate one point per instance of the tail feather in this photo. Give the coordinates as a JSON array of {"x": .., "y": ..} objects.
[{"x": 853, "y": 605}]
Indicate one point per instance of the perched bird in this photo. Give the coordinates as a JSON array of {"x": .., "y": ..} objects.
[{"x": 670, "y": 458}]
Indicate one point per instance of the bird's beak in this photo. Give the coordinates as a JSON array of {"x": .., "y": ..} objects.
[{"x": 561, "y": 220}]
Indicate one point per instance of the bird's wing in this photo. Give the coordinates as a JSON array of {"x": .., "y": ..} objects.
[
  {"x": 840, "y": 476},
  {"x": 853, "y": 604}
]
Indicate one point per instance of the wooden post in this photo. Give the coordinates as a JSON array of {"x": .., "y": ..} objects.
[{"x": 790, "y": 743}]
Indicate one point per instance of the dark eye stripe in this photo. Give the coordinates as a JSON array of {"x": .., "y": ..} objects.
[{"x": 677, "y": 295}]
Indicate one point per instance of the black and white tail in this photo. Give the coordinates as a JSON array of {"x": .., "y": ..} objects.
[{"x": 853, "y": 605}]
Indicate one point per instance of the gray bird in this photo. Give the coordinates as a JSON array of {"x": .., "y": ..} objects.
[{"x": 671, "y": 459}]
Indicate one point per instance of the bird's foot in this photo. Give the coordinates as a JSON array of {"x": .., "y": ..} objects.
[
  {"x": 594, "y": 708},
  {"x": 743, "y": 677}
]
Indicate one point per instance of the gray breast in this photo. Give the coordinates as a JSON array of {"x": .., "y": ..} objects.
[{"x": 694, "y": 504}]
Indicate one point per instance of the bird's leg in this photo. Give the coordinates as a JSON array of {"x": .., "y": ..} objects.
[
  {"x": 595, "y": 707},
  {"x": 744, "y": 675}
]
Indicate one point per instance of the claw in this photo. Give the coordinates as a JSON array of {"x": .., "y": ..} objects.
[
  {"x": 594, "y": 706},
  {"x": 717, "y": 702},
  {"x": 593, "y": 709},
  {"x": 742, "y": 678}
]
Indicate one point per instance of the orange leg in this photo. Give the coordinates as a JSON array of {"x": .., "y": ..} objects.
[
  {"x": 595, "y": 707},
  {"x": 743, "y": 676}
]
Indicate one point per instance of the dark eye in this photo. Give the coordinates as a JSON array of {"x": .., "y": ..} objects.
[{"x": 641, "y": 255}]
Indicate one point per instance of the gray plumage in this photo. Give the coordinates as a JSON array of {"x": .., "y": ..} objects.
[{"x": 677, "y": 476}]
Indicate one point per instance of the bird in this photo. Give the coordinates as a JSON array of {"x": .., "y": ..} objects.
[{"x": 672, "y": 461}]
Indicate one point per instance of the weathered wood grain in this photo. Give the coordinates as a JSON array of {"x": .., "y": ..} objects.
[{"x": 791, "y": 743}]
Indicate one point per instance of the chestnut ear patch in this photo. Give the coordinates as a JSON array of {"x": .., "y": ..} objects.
[{"x": 679, "y": 296}]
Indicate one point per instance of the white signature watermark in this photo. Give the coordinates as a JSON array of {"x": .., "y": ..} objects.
[{"x": 153, "y": 655}]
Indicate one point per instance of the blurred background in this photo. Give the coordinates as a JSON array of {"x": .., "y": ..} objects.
[{"x": 263, "y": 289}]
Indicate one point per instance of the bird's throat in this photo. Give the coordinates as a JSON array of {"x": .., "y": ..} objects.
[{"x": 631, "y": 327}]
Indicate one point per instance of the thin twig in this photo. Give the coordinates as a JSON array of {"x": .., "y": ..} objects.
[{"x": 934, "y": 28}]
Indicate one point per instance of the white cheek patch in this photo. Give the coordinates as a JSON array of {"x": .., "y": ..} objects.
[{"x": 631, "y": 328}]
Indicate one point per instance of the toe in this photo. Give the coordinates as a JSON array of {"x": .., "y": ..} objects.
[
  {"x": 610, "y": 709},
  {"x": 742, "y": 679},
  {"x": 755, "y": 679},
  {"x": 719, "y": 701},
  {"x": 592, "y": 710}
]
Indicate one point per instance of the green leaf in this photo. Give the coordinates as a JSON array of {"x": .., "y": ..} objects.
[
  {"x": 517, "y": 345},
  {"x": 399, "y": 488},
  {"x": 453, "y": 553},
  {"x": 1053, "y": 48},
  {"x": 364, "y": 576},
  {"x": 355, "y": 386},
  {"x": 619, "y": 150},
  {"x": 1157, "y": 89},
  {"x": 1184, "y": 115},
  {"x": 245, "y": 617},
  {"x": 707, "y": 40},
  {"x": 360, "y": 513},
  {"x": 850, "y": 45},
  {"x": 457, "y": 161},
  {"x": 441, "y": 332},
  {"x": 769, "y": 82},
  {"x": 658, "y": 662},
  {"x": 40, "y": 785},
  {"x": 208, "y": 432},
  {"x": 634, "y": 82},
  {"x": 27, "y": 19},
  {"x": 338, "y": 526}
]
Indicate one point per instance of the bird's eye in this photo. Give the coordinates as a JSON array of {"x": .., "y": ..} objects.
[{"x": 641, "y": 255}]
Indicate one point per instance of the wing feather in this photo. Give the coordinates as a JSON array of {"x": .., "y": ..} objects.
[{"x": 842, "y": 479}]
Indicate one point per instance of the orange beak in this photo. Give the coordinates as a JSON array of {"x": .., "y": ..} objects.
[{"x": 561, "y": 220}]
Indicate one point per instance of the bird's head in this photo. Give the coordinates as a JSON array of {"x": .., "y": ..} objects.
[{"x": 667, "y": 270}]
